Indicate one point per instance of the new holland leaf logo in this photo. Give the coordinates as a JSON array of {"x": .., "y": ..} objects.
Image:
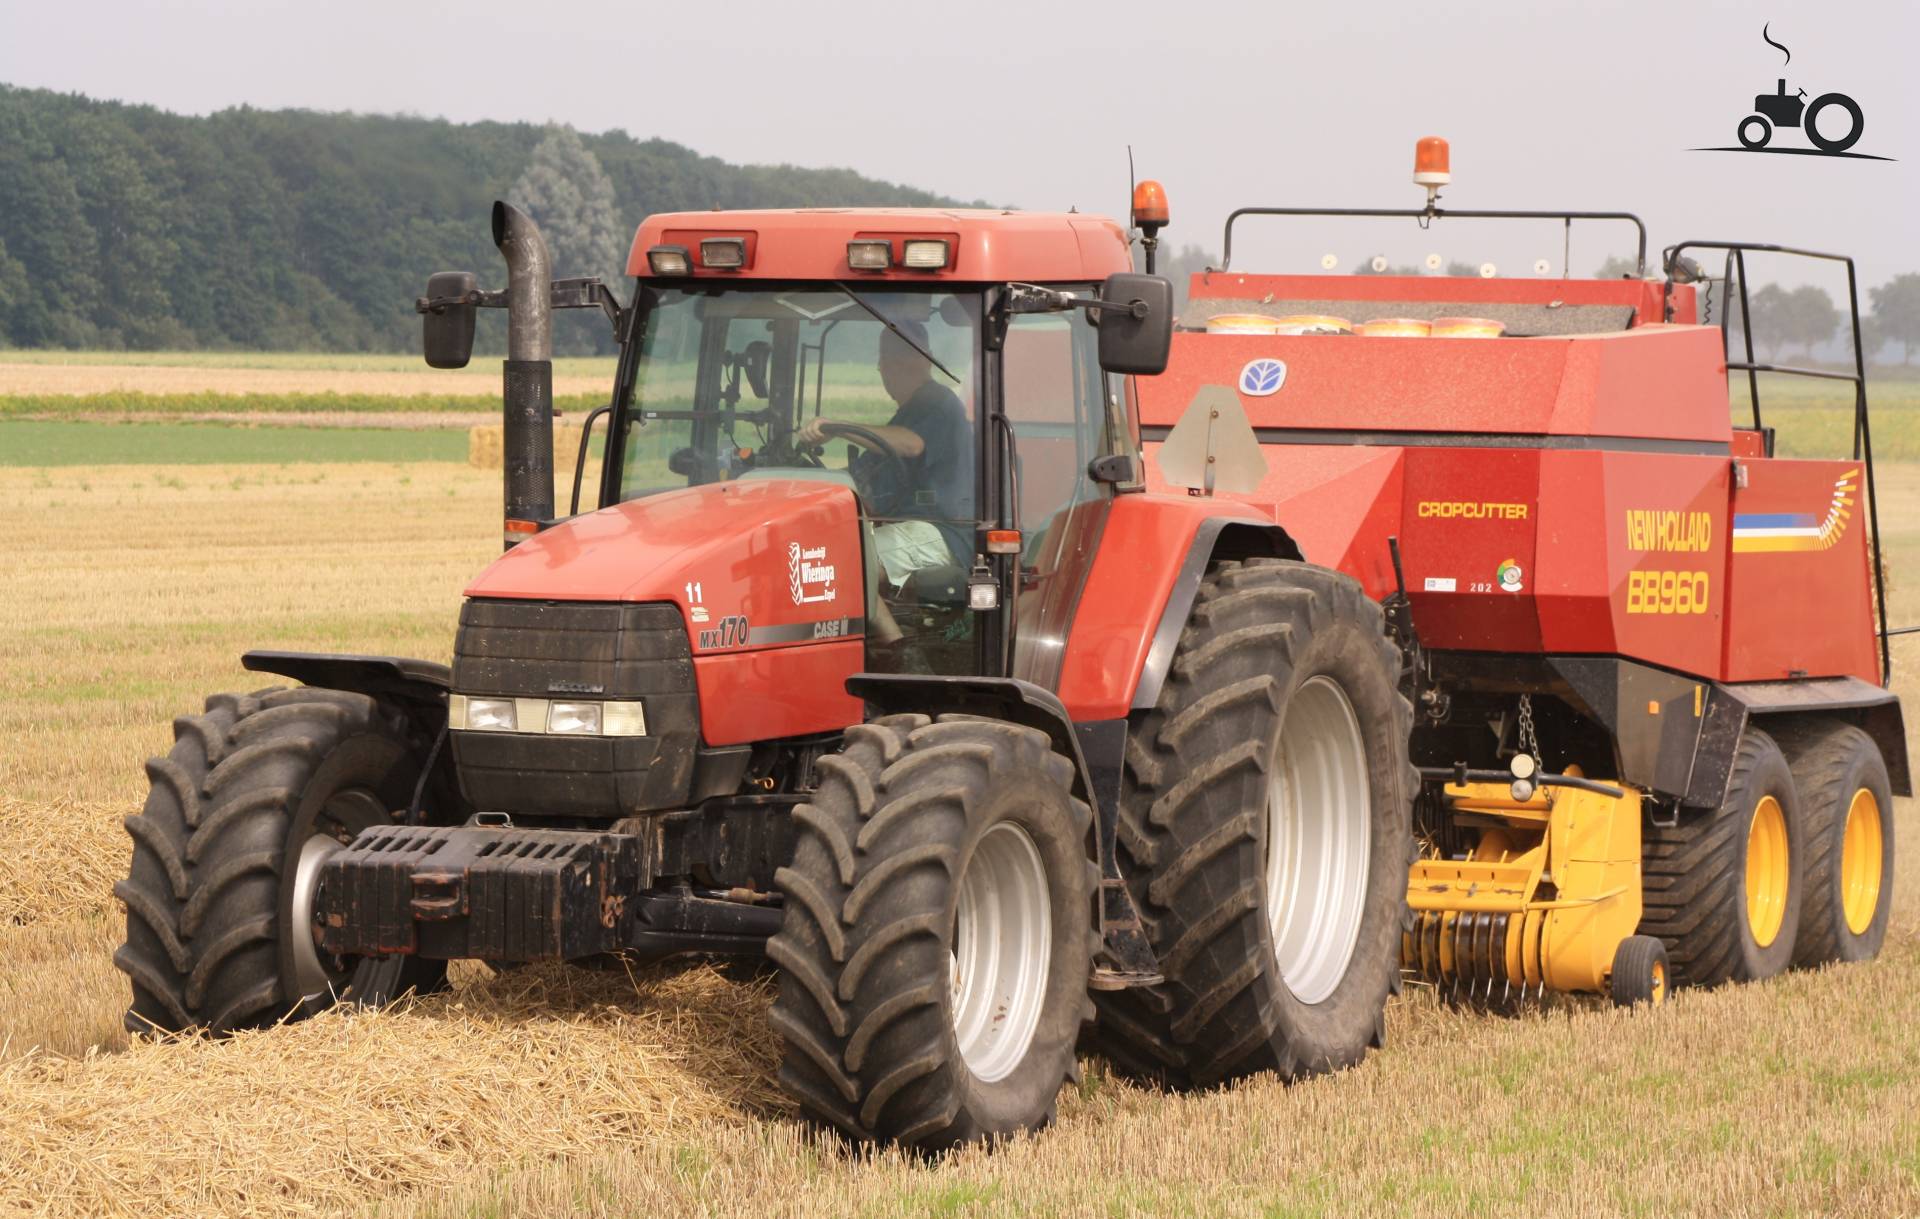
[{"x": 1262, "y": 377}]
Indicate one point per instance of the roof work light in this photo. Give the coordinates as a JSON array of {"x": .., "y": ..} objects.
[
  {"x": 723, "y": 253},
  {"x": 924, "y": 254},
  {"x": 869, "y": 254},
  {"x": 668, "y": 260}
]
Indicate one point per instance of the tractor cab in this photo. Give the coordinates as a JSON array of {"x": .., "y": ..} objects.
[
  {"x": 889, "y": 391},
  {"x": 954, "y": 373}
]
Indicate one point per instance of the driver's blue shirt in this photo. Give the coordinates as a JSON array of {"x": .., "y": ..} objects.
[{"x": 941, "y": 487}]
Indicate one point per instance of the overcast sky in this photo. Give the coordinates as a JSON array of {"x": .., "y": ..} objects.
[{"x": 1591, "y": 105}]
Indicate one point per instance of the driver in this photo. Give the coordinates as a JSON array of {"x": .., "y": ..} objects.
[{"x": 928, "y": 432}]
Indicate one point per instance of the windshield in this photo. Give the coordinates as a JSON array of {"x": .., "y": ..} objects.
[{"x": 728, "y": 378}]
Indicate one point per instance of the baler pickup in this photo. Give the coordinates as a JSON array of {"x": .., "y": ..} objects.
[{"x": 1542, "y": 900}]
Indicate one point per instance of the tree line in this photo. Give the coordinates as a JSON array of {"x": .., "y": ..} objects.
[{"x": 129, "y": 227}]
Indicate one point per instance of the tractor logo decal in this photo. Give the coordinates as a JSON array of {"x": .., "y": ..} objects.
[
  {"x": 1782, "y": 109},
  {"x": 1509, "y": 575},
  {"x": 1773, "y": 531},
  {"x": 1262, "y": 377},
  {"x": 809, "y": 575}
]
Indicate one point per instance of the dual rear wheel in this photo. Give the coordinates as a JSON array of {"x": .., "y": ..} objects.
[{"x": 1794, "y": 868}]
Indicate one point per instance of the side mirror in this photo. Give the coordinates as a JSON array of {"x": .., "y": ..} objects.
[
  {"x": 1130, "y": 343},
  {"x": 446, "y": 319}
]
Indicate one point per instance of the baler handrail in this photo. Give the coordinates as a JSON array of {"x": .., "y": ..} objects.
[
  {"x": 1736, "y": 252},
  {"x": 1427, "y": 215}
]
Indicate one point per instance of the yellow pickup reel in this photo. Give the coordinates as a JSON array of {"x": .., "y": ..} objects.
[{"x": 1546, "y": 897}]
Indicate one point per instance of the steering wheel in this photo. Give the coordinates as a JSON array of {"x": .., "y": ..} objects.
[{"x": 873, "y": 441}]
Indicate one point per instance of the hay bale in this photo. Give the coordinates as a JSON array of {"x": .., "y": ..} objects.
[{"x": 485, "y": 451}]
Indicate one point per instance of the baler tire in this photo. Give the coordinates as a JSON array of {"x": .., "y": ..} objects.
[
  {"x": 209, "y": 945},
  {"x": 1833, "y": 765},
  {"x": 1640, "y": 972},
  {"x": 866, "y": 1001},
  {"x": 1694, "y": 876},
  {"x": 1194, "y": 824}
]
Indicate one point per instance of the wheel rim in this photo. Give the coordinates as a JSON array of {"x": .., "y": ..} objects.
[
  {"x": 1002, "y": 942},
  {"x": 1766, "y": 871},
  {"x": 1319, "y": 838},
  {"x": 1860, "y": 862},
  {"x": 1658, "y": 990},
  {"x": 343, "y": 816}
]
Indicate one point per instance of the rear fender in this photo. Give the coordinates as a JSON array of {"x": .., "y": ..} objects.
[
  {"x": 1217, "y": 539},
  {"x": 1145, "y": 576}
]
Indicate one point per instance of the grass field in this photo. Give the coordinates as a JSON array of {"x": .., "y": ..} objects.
[
  {"x": 63, "y": 443},
  {"x": 131, "y": 591}
]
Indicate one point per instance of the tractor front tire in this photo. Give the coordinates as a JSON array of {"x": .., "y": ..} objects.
[
  {"x": 1265, "y": 830},
  {"x": 253, "y": 796},
  {"x": 1723, "y": 889},
  {"x": 1848, "y": 803},
  {"x": 938, "y": 934}
]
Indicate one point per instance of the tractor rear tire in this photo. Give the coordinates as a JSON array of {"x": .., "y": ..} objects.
[
  {"x": 1716, "y": 887},
  {"x": 930, "y": 854},
  {"x": 253, "y": 795},
  {"x": 1848, "y": 805},
  {"x": 1281, "y": 712}
]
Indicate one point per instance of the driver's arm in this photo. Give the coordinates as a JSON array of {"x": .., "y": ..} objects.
[{"x": 906, "y": 442}]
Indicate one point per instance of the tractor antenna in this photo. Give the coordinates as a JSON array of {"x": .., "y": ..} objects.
[{"x": 1132, "y": 229}]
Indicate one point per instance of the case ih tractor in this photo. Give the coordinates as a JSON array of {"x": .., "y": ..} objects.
[{"x": 1006, "y": 696}]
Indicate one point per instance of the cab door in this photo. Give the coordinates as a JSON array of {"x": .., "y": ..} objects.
[{"x": 1058, "y": 417}]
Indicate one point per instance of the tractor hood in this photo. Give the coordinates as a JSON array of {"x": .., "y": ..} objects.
[{"x": 773, "y": 553}]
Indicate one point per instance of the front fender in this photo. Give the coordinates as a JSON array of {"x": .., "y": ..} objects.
[{"x": 417, "y": 687}]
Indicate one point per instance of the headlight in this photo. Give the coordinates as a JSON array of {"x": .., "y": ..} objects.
[
  {"x": 491, "y": 715},
  {"x": 555, "y": 717},
  {"x": 574, "y": 718}
]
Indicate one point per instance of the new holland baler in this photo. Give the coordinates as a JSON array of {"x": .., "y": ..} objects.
[{"x": 1648, "y": 654}]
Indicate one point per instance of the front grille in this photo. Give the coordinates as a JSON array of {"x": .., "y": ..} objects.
[{"x": 595, "y": 650}]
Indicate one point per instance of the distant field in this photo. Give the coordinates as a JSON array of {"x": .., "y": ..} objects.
[
  {"x": 293, "y": 361},
  {"x": 55, "y": 443}
]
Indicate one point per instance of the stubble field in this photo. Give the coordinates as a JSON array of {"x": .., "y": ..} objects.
[
  {"x": 131, "y": 593},
  {"x": 132, "y": 589}
]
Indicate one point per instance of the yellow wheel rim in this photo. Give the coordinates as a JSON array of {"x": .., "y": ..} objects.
[
  {"x": 1659, "y": 993},
  {"x": 1860, "y": 862},
  {"x": 1766, "y": 871}
]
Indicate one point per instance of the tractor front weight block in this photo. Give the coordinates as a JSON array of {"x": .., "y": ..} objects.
[{"x": 497, "y": 893}]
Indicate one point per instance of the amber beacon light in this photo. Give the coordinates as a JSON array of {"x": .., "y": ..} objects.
[
  {"x": 1149, "y": 216},
  {"x": 1431, "y": 166}
]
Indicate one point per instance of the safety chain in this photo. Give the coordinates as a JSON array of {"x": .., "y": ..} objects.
[{"x": 1529, "y": 743}]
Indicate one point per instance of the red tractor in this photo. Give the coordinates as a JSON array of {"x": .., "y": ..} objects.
[{"x": 1007, "y": 694}]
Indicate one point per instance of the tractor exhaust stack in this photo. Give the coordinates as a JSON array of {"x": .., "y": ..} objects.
[{"x": 527, "y": 391}]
